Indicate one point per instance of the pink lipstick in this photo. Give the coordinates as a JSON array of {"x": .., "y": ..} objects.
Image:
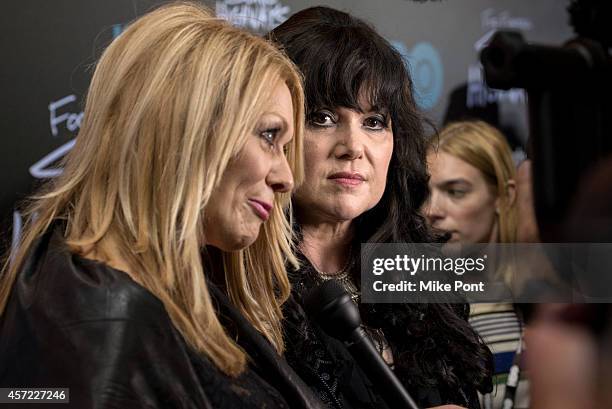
[
  {"x": 261, "y": 208},
  {"x": 348, "y": 179}
]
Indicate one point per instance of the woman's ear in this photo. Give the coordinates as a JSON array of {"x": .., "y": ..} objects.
[{"x": 511, "y": 192}]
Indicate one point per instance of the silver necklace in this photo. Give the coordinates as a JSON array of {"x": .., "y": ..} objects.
[{"x": 342, "y": 276}]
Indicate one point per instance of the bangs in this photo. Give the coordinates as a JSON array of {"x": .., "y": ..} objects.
[{"x": 346, "y": 67}]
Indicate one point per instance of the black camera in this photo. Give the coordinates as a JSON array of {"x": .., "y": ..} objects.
[{"x": 569, "y": 92}]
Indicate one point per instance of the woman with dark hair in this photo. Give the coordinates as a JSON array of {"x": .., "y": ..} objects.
[{"x": 365, "y": 181}]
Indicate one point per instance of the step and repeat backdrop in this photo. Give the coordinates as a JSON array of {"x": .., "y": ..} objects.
[{"x": 49, "y": 50}]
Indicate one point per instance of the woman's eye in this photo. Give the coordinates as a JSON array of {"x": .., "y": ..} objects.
[
  {"x": 321, "y": 118},
  {"x": 375, "y": 122},
  {"x": 456, "y": 193},
  {"x": 270, "y": 135}
]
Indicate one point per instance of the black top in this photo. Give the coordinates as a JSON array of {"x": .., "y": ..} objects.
[
  {"x": 326, "y": 365},
  {"x": 75, "y": 323}
]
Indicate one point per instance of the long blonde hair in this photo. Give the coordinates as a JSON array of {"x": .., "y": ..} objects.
[
  {"x": 485, "y": 148},
  {"x": 171, "y": 103}
]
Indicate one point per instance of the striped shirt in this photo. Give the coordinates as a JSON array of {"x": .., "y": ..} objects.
[{"x": 500, "y": 328}]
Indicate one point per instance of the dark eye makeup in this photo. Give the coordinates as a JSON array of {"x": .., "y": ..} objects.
[
  {"x": 376, "y": 122},
  {"x": 322, "y": 118},
  {"x": 270, "y": 135},
  {"x": 269, "y": 130}
]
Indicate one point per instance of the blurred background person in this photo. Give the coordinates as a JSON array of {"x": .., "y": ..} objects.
[
  {"x": 473, "y": 200},
  {"x": 164, "y": 240},
  {"x": 569, "y": 346},
  {"x": 565, "y": 359},
  {"x": 365, "y": 181}
]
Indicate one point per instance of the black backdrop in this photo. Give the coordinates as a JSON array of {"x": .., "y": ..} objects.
[{"x": 49, "y": 48}]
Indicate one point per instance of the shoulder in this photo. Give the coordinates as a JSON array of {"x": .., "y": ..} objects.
[
  {"x": 79, "y": 323},
  {"x": 64, "y": 288}
]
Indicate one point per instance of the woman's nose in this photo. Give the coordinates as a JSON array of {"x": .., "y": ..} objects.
[
  {"x": 433, "y": 209},
  {"x": 350, "y": 143},
  {"x": 280, "y": 178}
]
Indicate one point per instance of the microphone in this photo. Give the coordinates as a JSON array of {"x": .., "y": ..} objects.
[{"x": 331, "y": 306}]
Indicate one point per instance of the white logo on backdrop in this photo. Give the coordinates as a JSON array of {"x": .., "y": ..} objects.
[
  {"x": 60, "y": 115},
  {"x": 493, "y": 22},
  {"x": 489, "y": 20},
  {"x": 16, "y": 233},
  {"x": 256, "y": 15}
]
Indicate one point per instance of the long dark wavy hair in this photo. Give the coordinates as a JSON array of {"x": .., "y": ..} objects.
[{"x": 342, "y": 58}]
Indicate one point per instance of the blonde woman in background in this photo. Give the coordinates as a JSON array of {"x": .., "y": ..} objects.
[
  {"x": 473, "y": 199},
  {"x": 164, "y": 240}
]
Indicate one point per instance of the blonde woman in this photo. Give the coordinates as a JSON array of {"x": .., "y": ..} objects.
[
  {"x": 168, "y": 216},
  {"x": 473, "y": 199}
]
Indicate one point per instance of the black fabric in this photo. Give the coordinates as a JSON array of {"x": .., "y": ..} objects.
[
  {"x": 324, "y": 363},
  {"x": 76, "y": 323},
  {"x": 328, "y": 368},
  {"x": 265, "y": 359}
]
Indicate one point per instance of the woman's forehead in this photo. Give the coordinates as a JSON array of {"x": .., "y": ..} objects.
[{"x": 354, "y": 93}]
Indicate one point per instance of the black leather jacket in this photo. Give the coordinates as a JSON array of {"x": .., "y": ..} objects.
[{"x": 75, "y": 323}]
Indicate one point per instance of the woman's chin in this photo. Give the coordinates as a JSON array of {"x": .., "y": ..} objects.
[
  {"x": 349, "y": 209},
  {"x": 236, "y": 242},
  {"x": 244, "y": 242},
  {"x": 349, "y": 214},
  {"x": 331, "y": 210}
]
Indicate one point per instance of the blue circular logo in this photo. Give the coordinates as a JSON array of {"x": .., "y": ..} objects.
[{"x": 426, "y": 70}]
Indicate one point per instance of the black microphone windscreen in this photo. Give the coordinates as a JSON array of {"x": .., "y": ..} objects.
[
  {"x": 321, "y": 296},
  {"x": 331, "y": 306}
]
